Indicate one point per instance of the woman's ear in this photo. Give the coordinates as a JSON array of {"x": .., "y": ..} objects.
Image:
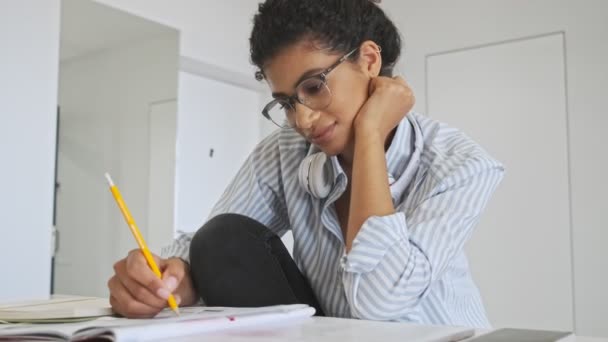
[{"x": 370, "y": 58}]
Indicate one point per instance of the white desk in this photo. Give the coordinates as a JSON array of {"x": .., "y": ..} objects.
[{"x": 322, "y": 329}]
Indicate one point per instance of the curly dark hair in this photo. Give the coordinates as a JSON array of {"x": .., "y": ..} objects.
[{"x": 337, "y": 25}]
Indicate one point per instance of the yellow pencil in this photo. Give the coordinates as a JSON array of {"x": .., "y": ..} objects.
[{"x": 138, "y": 237}]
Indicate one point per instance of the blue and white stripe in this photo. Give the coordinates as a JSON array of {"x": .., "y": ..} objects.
[{"x": 409, "y": 266}]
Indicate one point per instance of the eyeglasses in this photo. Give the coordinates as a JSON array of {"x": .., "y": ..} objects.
[{"x": 312, "y": 92}]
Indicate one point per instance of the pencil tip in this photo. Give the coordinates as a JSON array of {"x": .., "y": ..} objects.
[{"x": 109, "y": 179}]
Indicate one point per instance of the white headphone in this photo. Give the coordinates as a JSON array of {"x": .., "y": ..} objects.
[{"x": 315, "y": 175}]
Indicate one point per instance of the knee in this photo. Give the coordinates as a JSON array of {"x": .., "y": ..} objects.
[
  {"x": 227, "y": 230},
  {"x": 214, "y": 230}
]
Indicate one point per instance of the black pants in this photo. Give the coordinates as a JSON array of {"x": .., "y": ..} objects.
[{"x": 237, "y": 261}]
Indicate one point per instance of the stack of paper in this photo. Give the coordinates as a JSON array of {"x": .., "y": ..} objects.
[{"x": 57, "y": 310}]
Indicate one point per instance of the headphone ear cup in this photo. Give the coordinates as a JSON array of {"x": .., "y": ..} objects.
[
  {"x": 303, "y": 173},
  {"x": 320, "y": 182},
  {"x": 315, "y": 175}
]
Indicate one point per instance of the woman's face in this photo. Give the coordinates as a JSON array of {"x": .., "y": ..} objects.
[{"x": 329, "y": 128}]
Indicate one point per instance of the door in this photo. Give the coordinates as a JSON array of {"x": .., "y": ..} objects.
[
  {"x": 218, "y": 126},
  {"x": 520, "y": 252}
]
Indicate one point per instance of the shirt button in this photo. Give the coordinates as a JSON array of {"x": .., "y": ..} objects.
[{"x": 343, "y": 262}]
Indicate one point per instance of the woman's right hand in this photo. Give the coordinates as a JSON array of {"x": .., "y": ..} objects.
[{"x": 136, "y": 292}]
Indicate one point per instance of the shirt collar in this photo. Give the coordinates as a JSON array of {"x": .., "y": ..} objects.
[
  {"x": 400, "y": 151},
  {"x": 399, "y": 154}
]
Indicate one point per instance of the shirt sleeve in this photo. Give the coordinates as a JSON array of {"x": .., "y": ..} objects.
[
  {"x": 256, "y": 192},
  {"x": 394, "y": 259}
]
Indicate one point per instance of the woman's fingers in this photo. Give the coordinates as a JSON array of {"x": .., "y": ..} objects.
[
  {"x": 125, "y": 304},
  {"x": 137, "y": 289}
]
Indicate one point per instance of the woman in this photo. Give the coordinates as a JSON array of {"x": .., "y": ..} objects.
[{"x": 380, "y": 200}]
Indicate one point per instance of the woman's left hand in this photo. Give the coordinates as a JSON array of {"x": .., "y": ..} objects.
[{"x": 390, "y": 100}]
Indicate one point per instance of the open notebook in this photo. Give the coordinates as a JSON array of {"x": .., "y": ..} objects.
[{"x": 193, "y": 320}]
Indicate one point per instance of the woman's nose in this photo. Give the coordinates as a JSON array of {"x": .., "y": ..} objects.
[{"x": 305, "y": 117}]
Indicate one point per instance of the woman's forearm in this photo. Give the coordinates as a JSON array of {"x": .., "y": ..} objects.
[{"x": 370, "y": 192}]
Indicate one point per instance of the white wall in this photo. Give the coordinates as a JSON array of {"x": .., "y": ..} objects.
[
  {"x": 28, "y": 100},
  {"x": 432, "y": 26},
  {"x": 215, "y": 36},
  {"x": 105, "y": 101},
  {"x": 161, "y": 178},
  {"x": 216, "y": 32}
]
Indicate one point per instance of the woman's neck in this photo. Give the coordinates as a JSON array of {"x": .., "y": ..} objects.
[{"x": 346, "y": 158}]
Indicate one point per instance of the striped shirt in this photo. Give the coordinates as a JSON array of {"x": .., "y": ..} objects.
[{"x": 408, "y": 266}]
